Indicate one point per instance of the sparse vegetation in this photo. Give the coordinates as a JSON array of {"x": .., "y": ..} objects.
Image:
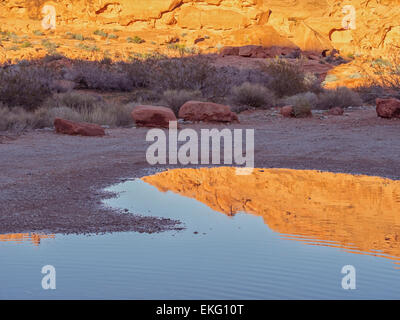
[
  {"x": 305, "y": 98},
  {"x": 176, "y": 98},
  {"x": 340, "y": 97},
  {"x": 288, "y": 78},
  {"x": 302, "y": 109},
  {"x": 253, "y": 95},
  {"x": 24, "y": 86},
  {"x": 135, "y": 39}
]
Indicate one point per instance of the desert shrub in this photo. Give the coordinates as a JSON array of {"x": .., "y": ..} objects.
[
  {"x": 312, "y": 83},
  {"x": 340, "y": 97},
  {"x": 135, "y": 39},
  {"x": 369, "y": 94},
  {"x": 383, "y": 75},
  {"x": 98, "y": 76},
  {"x": 309, "y": 98},
  {"x": 302, "y": 109},
  {"x": 176, "y": 98},
  {"x": 253, "y": 95},
  {"x": 287, "y": 78},
  {"x": 15, "y": 119},
  {"x": 189, "y": 73},
  {"x": 236, "y": 76},
  {"x": 73, "y": 100},
  {"x": 26, "y": 87},
  {"x": 139, "y": 72},
  {"x": 101, "y": 33}
]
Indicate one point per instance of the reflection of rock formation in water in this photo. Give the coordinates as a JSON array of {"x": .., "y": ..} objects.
[
  {"x": 356, "y": 212},
  {"x": 35, "y": 238}
]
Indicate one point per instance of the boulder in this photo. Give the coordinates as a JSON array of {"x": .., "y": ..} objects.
[
  {"x": 207, "y": 111},
  {"x": 78, "y": 128},
  {"x": 336, "y": 111},
  {"x": 229, "y": 51},
  {"x": 287, "y": 111},
  {"x": 388, "y": 108},
  {"x": 256, "y": 51},
  {"x": 153, "y": 116}
]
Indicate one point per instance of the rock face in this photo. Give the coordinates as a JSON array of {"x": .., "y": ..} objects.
[
  {"x": 388, "y": 108},
  {"x": 153, "y": 116},
  {"x": 310, "y": 25},
  {"x": 76, "y": 128},
  {"x": 207, "y": 111}
]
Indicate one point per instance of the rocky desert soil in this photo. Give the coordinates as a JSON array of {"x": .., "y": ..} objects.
[{"x": 53, "y": 183}]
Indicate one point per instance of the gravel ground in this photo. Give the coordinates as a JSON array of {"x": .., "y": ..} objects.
[{"x": 53, "y": 183}]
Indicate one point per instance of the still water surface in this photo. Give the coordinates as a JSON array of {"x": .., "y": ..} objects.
[{"x": 273, "y": 234}]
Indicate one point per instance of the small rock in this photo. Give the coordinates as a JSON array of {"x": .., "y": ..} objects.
[
  {"x": 287, "y": 111},
  {"x": 336, "y": 111},
  {"x": 207, "y": 111}
]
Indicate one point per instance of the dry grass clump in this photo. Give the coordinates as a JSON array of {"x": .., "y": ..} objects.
[
  {"x": 70, "y": 106},
  {"x": 176, "y": 98},
  {"x": 84, "y": 108},
  {"x": 15, "y": 119},
  {"x": 309, "y": 98},
  {"x": 253, "y": 95},
  {"x": 302, "y": 109},
  {"x": 340, "y": 97}
]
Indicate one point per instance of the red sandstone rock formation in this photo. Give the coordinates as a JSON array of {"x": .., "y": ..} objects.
[
  {"x": 207, "y": 111},
  {"x": 310, "y": 25},
  {"x": 388, "y": 108},
  {"x": 76, "y": 128},
  {"x": 153, "y": 116}
]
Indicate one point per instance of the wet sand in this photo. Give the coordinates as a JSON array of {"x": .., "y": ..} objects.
[{"x": 53, "y": 183}]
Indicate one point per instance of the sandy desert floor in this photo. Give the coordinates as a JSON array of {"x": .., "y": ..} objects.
[{"x": 53, "y": 183}]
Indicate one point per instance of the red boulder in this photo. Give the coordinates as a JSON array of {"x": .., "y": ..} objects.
[
  {"x": 153, "y": 116},
  {"x": 78, "y": 128},
  {"x": 336, "y": 111},
  {"x": 287, "y": 111},
  {"x": 388, "y": 108},
  {"x": 207, "y": 111}
]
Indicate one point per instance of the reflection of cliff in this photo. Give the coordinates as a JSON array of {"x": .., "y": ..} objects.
[
  {"x": 352, "y": 212},
  {"x": 35, "y": 238}
]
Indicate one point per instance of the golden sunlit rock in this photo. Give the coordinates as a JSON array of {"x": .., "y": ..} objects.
[
  {"x": 359, "y": 213},
  {"x": 33, "y": 237},
  {"x": 310, "y": 25}
]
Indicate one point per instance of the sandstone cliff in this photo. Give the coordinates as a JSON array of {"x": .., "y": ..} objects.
[{"x": 308, "y": 24}]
